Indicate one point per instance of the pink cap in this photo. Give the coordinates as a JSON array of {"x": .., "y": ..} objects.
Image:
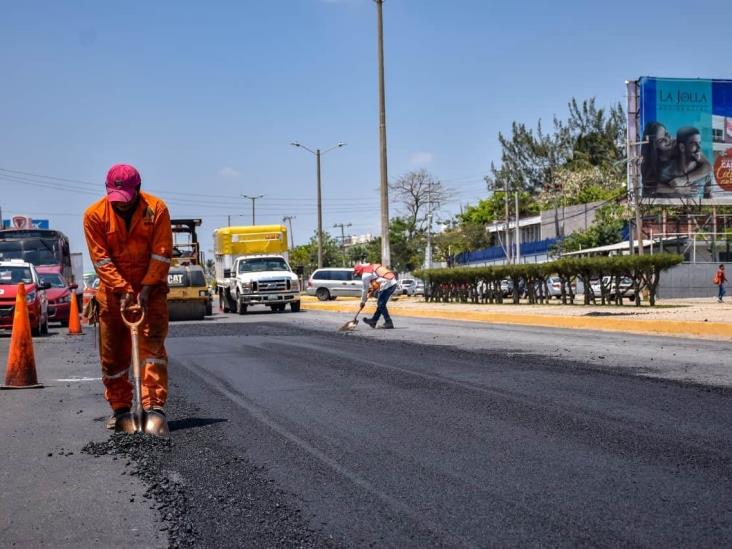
[{"x": 122, "y": 183}]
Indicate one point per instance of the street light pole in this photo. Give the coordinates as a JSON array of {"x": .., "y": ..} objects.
[
  {"x": 385, "y": 249},
  {"x": 318, "y": 154},
  {"x": 253, "y": 199}
]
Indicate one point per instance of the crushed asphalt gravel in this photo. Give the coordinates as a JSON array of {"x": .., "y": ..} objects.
[{"x": 205, "y": 493}]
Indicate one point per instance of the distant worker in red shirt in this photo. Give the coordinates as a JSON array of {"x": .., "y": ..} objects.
[
  {"x": 130, "y": 242},
  {"x": 720, "y": 279},
  {"x": 380, "y": 281}
]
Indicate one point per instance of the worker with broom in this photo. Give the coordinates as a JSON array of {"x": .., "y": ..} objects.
[
  {"x": 130, "y": 242},
  {"x": 380, "y": 281}
]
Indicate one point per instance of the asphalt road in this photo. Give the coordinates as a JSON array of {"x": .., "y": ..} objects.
[
  {"x": 453, "y": 434},
  {"x": 286, "y": 433}
]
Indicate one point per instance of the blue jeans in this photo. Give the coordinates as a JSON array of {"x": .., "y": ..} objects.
[
  {"x": 381, "y": 309},
  {"x": 722, "y": 291}
]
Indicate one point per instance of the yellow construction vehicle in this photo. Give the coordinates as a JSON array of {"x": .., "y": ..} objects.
[{"x": 189, "y": 297}]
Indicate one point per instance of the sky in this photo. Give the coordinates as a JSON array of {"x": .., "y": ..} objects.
[{"x": 204, "y": 98}]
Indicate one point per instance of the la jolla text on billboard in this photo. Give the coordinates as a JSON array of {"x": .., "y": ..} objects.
[{"x": 686, "y": 151}]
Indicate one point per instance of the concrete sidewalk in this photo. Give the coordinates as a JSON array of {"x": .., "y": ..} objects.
[{"x": 682, "y": 317}]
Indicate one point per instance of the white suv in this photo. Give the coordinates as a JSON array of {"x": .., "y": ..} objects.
[
  {"x": 329, "y": 283},
  {"x": 407, "y": 286}
]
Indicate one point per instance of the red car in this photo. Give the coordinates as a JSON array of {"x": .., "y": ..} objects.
[
  {"x": 59, "y": 294},
  {"x": 12, "y": 273}
]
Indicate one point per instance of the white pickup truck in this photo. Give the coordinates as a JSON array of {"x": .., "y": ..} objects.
[{"x": 247, "y": 275}]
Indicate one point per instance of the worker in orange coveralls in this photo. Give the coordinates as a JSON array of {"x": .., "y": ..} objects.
[{"x": 130, "y": 242}]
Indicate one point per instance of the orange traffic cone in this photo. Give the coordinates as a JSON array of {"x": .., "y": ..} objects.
[
  {"x": 74, "y": 323},
  {"x": 21, "y": 372}
]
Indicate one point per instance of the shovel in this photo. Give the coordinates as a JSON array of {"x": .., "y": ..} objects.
[
  {"x": 351, "y": 324},
  {"x": 138, "y": 420}
]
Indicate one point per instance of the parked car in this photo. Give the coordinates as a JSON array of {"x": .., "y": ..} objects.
[
  {"x": 625, "y": 287},
  {"x": 330, "y": 283},
  {"x": 59, "y": 294},
  {"x": 408, "y": 286},
  {"x": 554, "y": 284},
  {"x": 12, "y": 273},
  {"x": 419, "y": 287},
  {"x": 507, "y": 288}
]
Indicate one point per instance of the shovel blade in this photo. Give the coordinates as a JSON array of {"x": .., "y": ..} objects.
[
  {"x": 348, "y": 326},
  {"x": 152, "y": 423},
  {"x": 156, "y": 424},
  {"x": 127, "y": 423}
]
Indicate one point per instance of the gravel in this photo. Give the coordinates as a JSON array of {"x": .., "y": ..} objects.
[{"x": 205, "y": 493}]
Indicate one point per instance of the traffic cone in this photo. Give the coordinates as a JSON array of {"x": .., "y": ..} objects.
[
  {"x": 21, "y": 372},
  {"x": 74, "y": 323}
]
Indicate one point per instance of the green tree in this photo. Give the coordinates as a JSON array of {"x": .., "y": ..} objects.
[
  {"x": 210, "y": 267},
  {"x": 590, "y": 137},
  {"x": 493, "y": 208},
  {"x": 306, "y": 255},
  {"x": 407, "y": 247},
  {"x": 462, "y": 238},
  {"x": 598, "y": 137}
]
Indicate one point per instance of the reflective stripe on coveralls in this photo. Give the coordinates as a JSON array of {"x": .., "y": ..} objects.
[
  {"x": 123, "y": 373},
  {"x": 138, "y": 256},
  {"x": 102, "y": 262}
]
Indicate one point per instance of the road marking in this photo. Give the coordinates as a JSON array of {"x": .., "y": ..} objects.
[{"x": 78, "y": 379}]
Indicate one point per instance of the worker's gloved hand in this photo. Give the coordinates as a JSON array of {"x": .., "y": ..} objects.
[
  {"x": 144, "y": 297},
  {"x": 124, "y": 299}
]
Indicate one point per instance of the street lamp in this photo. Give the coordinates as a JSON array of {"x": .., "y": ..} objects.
[{"x": 318, "y": 154}]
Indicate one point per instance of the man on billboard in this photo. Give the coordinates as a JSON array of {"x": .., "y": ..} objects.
[{"x": 689, "y": 173}]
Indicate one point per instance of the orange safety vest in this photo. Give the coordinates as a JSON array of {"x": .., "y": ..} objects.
[
  {"x": 127, "y": 260},
  {"x": 382, "y": 271}
]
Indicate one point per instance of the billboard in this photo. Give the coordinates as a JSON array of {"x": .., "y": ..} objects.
[
  {"x": 36, "y": 224},
  {"x": 685, "y": 127}
]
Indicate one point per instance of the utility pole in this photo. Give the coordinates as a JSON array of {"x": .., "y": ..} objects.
[
  {"x": 253, "y": 199},
  {"x": 289, "y": 218},
  {"x": 343, "y": 239},
  {"x": 633, "y": 167},
  {"x": 508, "y": 231},
  {"x": 318, "y": 154},
  {"x": 518, "y": 232},
  {"x": 385, "y": 250},
  {"x": 428, "y": 251}
]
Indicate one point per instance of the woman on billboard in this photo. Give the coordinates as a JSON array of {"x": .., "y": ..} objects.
[{"x": 674, "y": 168}]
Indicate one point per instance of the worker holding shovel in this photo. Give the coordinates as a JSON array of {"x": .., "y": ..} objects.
[
  {"x": 380, "y": 281},
  {"x": 130, "y": 242}
]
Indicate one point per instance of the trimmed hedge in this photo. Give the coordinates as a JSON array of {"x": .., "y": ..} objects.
[{"x": 483, "y": 284}]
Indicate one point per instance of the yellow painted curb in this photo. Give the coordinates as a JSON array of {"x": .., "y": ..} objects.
[{"x": 656, "y": 326}]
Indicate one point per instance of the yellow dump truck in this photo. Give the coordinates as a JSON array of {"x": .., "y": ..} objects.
[
  {"x": 252, "y": 269},
  {"x": 188, "y": 298}
]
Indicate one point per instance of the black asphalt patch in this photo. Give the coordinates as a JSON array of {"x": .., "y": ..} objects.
[{"x": 206, "y": 493}]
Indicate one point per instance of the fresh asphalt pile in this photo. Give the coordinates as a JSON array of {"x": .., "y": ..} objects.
[{"x": 205, "y": 493}]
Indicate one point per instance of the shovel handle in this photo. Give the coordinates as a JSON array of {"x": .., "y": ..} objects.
[{"x": 135, "y": 308}]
